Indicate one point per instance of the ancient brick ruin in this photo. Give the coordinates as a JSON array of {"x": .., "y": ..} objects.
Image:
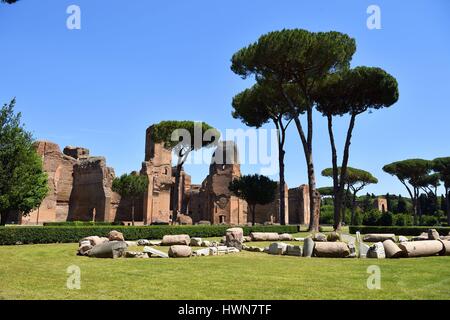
[{"x": 81, "y": 190}]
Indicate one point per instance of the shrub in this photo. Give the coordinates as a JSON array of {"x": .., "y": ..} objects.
[
  {"x": 404, "y": 231},
  {"x": 386, "y": 219},
  {"x": 371, "y": 218},
  {"x": 326, "y": 214},
  {"x": 429, "y": 221},
  {"x": 403, "y": 219},
  {"x": 71, "y": 234},
  {"x": 358, "y": 216}
]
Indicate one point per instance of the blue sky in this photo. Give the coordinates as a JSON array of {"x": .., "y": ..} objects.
[{"x": 134, "y": 63}]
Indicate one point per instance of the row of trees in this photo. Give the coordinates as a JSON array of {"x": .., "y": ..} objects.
[
  {"x": 298, "y": 72},
  {"x": 356, "y": 180},
  {"x": 419, "y": 175}
]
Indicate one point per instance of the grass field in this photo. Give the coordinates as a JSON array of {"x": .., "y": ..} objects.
[{"x": 40, "y": 272}]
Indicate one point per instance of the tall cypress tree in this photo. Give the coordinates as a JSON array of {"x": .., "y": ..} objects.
[{"x": 401, "y": 205}]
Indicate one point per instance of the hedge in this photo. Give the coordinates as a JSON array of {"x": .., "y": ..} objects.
[
  {"x": 398, "y": 230},
  {"x": 33, "y": 235}
]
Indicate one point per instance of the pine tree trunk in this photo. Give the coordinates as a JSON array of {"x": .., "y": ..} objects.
[
  {"x": 253, "y": 209},
  {"x": 447, "y": 199},
  {"x": 282, "y": 192},
  {"x": 337, "y": 197},
  {"x": 175, "y": 194},
  {"x": 132, "y": 213},
  {"x": 314, "y": 216},
  {"x": 307, "y": 147},
  {"x": 344, "y": 206},
  {"x": 352, "y": 222},
  {"x": 3, "y": 218},
  {"x": 415, "y": 207},
  {"x": 345, "y": 158}
]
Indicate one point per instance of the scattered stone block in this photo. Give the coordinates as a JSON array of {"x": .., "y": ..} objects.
[
  {"x": 446, "y": 251},
  {"x": 286, "y": 237},
  {"x": 392, "y": 250},
  {"x": 201, "y": 252},
  {"x": 264, "y": 236},
  {"x": 131, "y": 243},
  {"x": 319, "y": 237},
  {"x": 172, "y": 240},
  {"x": 333, "y": 237},
  {"x": 234, "y": 237},
  {"x": 233, "y": 250},
  {"x": 296, "y": 251},
  {"x": 331, "y": 250},
  {"x": 362, "y": 247},
  {"x": 94, "y": 240},
  {"x": 206, "y": 243},
  {"x": 277, "y": 248},
  {"x": 308, "y": 247},
  {"x": 247, "y": 239},
  {"x": 252, "y": 249},
  {"x": 379, "y": 237},
  {"x": 84, "y": 248},
  {"x": 213, "y": 251},
  {"x": 180, "y": 251},
  {"x": 402, "y": 239},
  {"x": 184, "y": 220},
  {"x": 110, "y": 249},
  {"x": 433, "y": 234},
  {"x": 115, "y": 235},
  {"x": 155, "y": 243},
  {"x": 352, "y": 248},
  {"x": 423, "y": 248},
  {"x": 376, "y": 251},
  {"x": 196, "y": 242},
  {"x": 422, "y": 237},
  {"x": 348, "y": 238},
  {"x": 143, "y": 242},
  {"x": 153, "y": 252},
  {"x": 136, "y": 255}
]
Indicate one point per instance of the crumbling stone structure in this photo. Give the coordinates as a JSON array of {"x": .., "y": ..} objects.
[
  {"x": 299, "y": 205},
  {"x": 269, "y": 213},
  {"x": 81, "y": 189},
  {"x": 158, "y": 168},
  {"x": 380, "y": 204},
  {"x": 213, "y": 201},
  {"x": 59, "y": 168},
  {"x": 92, "y": 198}
]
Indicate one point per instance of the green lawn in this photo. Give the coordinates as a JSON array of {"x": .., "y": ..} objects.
[{"x": 39, "y": 272}]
